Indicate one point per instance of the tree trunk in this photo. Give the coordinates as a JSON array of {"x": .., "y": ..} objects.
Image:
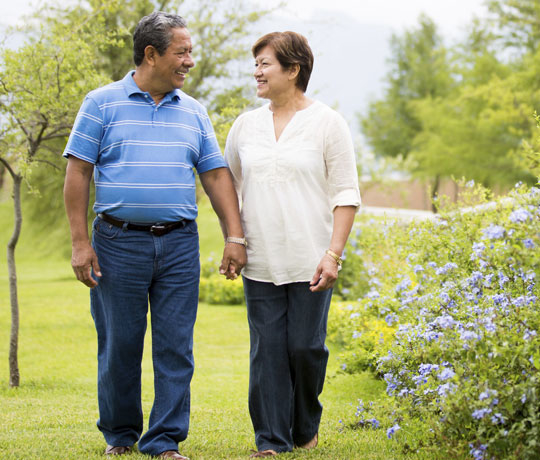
[
  {"x": 14, "y": 377},
  {"x": 434, "y": 190}
]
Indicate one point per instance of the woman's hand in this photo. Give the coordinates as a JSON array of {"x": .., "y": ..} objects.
[{"x": 325, "y": 276}]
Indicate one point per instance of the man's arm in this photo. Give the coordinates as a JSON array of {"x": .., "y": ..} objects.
[
  {"x": 76, "y": 197},
  {"x": 218, "y": 185}
]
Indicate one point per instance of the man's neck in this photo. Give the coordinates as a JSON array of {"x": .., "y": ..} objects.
[{"x": 144, "y": 82}]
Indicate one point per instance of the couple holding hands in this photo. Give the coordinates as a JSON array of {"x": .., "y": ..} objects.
[{"x": 286, "y": 193}]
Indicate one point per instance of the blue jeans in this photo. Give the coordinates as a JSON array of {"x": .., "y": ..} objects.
[
  {"x": 288, "y": 359},
  {"x": 139, "y": 269}
]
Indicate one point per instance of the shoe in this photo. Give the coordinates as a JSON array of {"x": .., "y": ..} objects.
[
  {"x": 311, "y": 444},
  {"x": 172, "y": 454},
  {"x": 117, "y": 450},
  {"x": 263, "y": 453}
]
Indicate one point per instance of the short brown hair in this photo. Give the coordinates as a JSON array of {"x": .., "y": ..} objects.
[{"x": 290, "y": 48}]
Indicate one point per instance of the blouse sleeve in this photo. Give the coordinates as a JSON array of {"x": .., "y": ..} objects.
[
  {"x": 341, "y": 164},
  {"x": 232, "y": 158}
]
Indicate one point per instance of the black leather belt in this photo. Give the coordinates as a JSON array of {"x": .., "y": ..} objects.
[{"x": 158, "y": 229}]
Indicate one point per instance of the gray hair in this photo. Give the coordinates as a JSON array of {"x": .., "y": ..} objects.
[{"x": 155, "y": 30}]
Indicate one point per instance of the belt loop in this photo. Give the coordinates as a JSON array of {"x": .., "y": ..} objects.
[{"x": 125, "y": 226}]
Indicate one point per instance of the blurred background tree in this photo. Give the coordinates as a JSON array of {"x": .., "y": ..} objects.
[{"x": 462, "y": 111}]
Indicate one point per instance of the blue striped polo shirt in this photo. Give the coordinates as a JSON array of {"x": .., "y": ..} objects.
[{"x": 144, "y": 154}]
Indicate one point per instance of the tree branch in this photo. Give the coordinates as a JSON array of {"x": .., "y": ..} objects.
[{"x": 8, "y": 167}]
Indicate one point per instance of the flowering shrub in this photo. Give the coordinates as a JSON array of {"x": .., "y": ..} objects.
[
  {"x": 461, "y": 292},
  {"x": 363, "y": 336}
]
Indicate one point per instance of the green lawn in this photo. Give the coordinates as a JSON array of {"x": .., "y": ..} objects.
[{"x": 52, "y": 414}]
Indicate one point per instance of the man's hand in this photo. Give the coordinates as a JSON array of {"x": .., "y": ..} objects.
[
  {"x": 325, "y": 276},
  {"x": 83, "y": 261},
  {"x": 234, "y": 259}
]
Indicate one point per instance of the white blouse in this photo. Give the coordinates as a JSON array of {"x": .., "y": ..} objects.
[{"x": 290, "y": 187}]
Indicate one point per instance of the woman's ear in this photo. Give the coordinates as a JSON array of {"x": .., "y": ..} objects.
[{"x": 294, "y": 71}]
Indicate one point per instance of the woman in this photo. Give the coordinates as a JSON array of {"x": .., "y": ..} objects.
[{"x": 293, "y": 165}]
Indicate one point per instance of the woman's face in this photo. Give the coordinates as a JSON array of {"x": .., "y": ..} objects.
[{"x": 272, "y": 79}]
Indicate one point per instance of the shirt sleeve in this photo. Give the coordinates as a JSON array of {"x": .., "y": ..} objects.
[
  {"x": 85, "y": 138},
  {"x": 210, "y": 156},
  {"x": 341, "y": 163},
  {"x": 232, "y": 157}
]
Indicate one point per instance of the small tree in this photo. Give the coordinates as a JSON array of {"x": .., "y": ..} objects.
[{"x": 41, "y": 87}]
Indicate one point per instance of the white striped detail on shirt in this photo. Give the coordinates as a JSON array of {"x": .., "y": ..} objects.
[
  {"x": 163, "y": 124},
  {"x": 150, "y": 144},
  {"x": 86, "y": 137},
  {"x": 148, "y": 205},
  {"x": 90, "y": 117},
  {"x": 147, "y": 186},
  {"x": 145, "y": 164}
]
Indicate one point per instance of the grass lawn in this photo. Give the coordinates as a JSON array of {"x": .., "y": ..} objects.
[{"x": 52, "y": 414}]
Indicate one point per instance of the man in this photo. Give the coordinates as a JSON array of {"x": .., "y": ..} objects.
[{"x": 142, "y": 137}]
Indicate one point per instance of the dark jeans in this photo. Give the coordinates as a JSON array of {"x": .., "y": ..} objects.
[
  {"x": 140, "y": 269},
  {"x": 288, "y": 360}
]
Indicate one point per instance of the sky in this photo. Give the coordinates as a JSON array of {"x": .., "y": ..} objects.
[
  {"x": 450, "y": 15},
  {"x": 349, "y": 38},
  {"x": 397, "y": 14}
]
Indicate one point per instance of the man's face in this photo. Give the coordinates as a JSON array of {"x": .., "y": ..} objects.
[{"x": 170, "y": 69}]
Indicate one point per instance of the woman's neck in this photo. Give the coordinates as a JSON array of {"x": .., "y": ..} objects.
[{"x": 287, "y": 102}]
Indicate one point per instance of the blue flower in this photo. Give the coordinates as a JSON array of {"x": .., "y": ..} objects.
[
  {"x": 446, "y": 388},
  {"x": 446, "y": 374},
  {"x": 478, "y": 453},
  {"x": 528, "y": 243},
  {"x": 392, "y": 430},
  {"x": 446, "y": 268},
  {"x": 520, "y": 215},
  {"x": 445, "y": 321},
  {"x": 403, "y": 285},
  {"x": 497, "y": 419},
  {"x": 528, "y": 334},
  {"x": 481, "y": 413},
  {"x": 469, "y": 335},
  {"x": 390, "y": 319},
  {"x": 445, "y": 298},
  {"x": 374, "y": 423},
  {"x": 494, "y": 232}
]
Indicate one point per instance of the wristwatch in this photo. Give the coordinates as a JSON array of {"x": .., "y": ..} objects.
[{"x": 233, "y": 239}]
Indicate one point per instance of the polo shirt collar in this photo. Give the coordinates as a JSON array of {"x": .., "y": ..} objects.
[{"x": 132, "y": 88}]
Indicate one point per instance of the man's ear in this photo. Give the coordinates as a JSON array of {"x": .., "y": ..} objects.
[{"x": 150, "y": 55}]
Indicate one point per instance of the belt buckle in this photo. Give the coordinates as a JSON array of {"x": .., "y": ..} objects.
[{"x": 158, "y": 230}]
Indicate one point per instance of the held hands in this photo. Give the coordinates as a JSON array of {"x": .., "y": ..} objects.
[
  {"x": 326, "y": 274},
  {"x": 234, "y": 259},
  {"x": 83, "y": 260}
]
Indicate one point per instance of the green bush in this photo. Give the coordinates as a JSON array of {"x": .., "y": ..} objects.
[
  {"x": 462, "y": 293},
  {"x": 215, "y": 289}
]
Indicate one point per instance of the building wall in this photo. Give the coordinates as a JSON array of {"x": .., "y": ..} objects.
[{"x": 405, "y": 194}]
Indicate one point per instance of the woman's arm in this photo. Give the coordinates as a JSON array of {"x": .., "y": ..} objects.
[{"x": 327, "y": 271}]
